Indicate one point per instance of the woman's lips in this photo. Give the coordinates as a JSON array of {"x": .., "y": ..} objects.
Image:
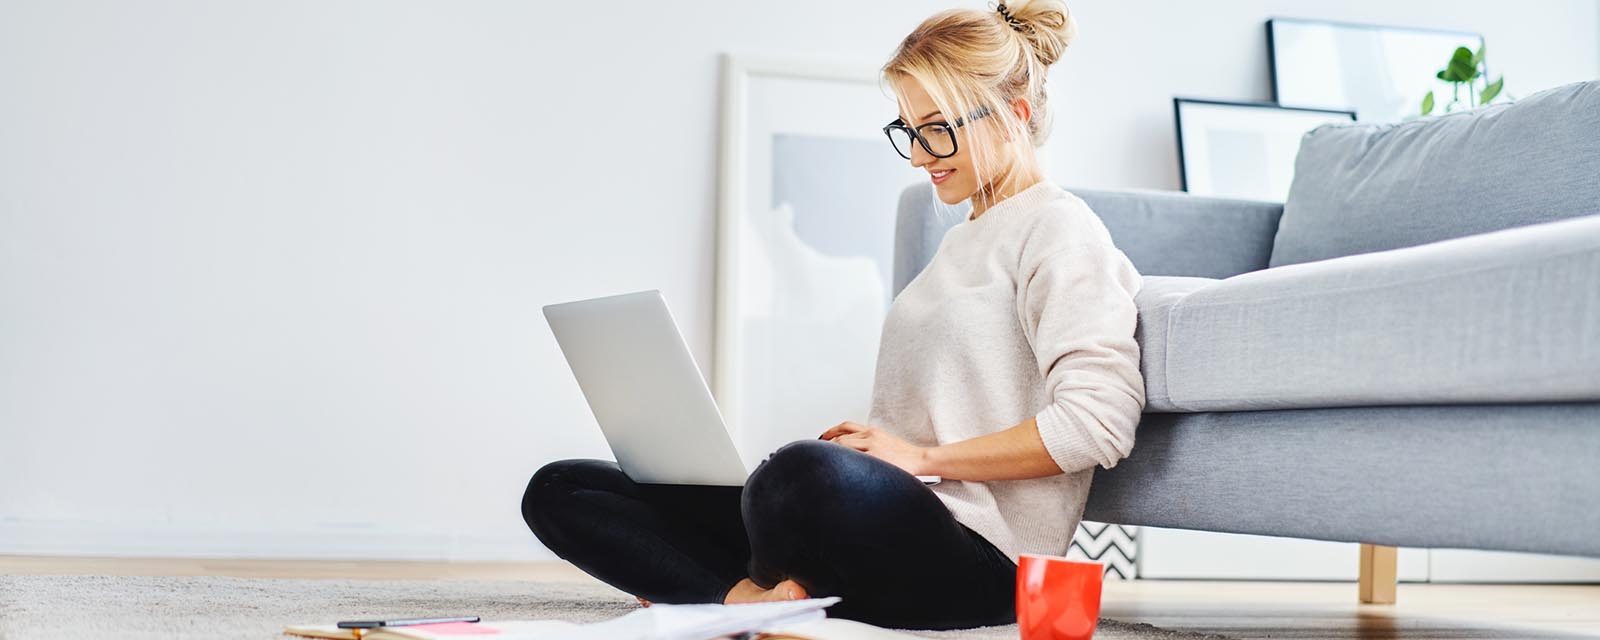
[{"x": 941, "y": 175}]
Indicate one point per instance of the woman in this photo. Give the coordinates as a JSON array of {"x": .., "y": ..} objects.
[{"x": 1008, "y": 366}]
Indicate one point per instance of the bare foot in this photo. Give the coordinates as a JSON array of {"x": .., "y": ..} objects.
[
  {"x": 643, "y": 602},
  {"x": 747, "y": 591}
]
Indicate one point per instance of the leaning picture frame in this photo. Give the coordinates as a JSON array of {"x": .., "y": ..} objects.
[
  {"x": 807, "y": 188},
  {"x": 1243, "y": 149},
  {"x": 1381, "y": 72}
]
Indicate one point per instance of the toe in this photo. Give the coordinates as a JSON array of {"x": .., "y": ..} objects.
[{"x": 795, "y": 591}]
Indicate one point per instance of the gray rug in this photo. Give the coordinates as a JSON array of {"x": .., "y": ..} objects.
[{"x": 48, "y": 607}]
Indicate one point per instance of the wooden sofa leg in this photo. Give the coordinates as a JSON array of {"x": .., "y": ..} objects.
[{"x": 1379, "y": 573}]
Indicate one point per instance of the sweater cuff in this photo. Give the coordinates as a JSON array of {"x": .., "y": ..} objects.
[{"x": 1068, "y": 443}]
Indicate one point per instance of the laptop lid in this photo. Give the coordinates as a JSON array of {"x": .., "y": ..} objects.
[{"x": 641, "y": 382}]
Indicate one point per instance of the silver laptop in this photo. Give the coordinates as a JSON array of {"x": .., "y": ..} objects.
[
  {"x": 655, "y": 409},
  {"x": 653, "y": 406}
]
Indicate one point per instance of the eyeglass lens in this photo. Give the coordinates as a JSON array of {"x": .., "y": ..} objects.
[{"x": 941, "y": 139}]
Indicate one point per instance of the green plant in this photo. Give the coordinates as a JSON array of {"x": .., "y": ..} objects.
[{"x": 1465, "y": 68}]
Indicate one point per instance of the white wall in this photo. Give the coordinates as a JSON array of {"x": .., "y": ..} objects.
[{"x": 270, "y": 272}]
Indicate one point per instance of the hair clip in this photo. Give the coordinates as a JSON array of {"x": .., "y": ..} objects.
[{"x": 1016, "y": 24}]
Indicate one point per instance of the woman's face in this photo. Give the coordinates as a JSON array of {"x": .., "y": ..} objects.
[{"x": 953, "y": 178}]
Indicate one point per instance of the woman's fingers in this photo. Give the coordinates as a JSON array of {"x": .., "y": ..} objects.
[
  {"x": 857, "y": 441},
  {"x": 841, "y": 429}
]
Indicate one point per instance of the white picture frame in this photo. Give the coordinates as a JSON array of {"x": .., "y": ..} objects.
[
  {"x": 800, "y": 300},
  {"x": 1380, "y": 72}
]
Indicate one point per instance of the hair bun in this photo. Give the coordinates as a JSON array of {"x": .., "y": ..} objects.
[{"x": 1047, "y": 25}]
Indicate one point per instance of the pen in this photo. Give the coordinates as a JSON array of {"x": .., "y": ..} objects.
[{"x": 402, "y": 622}]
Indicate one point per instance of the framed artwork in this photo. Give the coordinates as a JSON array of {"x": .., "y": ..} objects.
[
  {"x": 1243, "y": 149},
  {"x": 808, "y": 187},
  {"x": 1379, "y": 72}
]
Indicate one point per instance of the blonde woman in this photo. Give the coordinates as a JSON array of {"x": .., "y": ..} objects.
[{"x": 1008, "y": 366}]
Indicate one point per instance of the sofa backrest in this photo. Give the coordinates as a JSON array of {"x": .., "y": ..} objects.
[
  {"x": 1164, "y": 233},
  {"x": 1360, "y": 188}
]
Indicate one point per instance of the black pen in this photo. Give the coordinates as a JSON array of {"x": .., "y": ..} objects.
[{"x": 401, "y": 622}]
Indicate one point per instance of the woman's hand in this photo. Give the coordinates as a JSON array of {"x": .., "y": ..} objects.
[{"x": 879, "y": 444}]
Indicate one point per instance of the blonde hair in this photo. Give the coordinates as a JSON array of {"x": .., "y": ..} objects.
[{"x": 973, "y": 59}]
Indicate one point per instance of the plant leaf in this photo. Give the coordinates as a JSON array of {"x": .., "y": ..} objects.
[
  {"x": 1460, "y": 68},
  {"x": 1492, "y": 90},
  {"x": 1427, "y": 103},
  {"x": 1477, "y": 58}
]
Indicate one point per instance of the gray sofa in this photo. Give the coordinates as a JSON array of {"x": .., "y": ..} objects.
[{"x": 1404, "y": 353}]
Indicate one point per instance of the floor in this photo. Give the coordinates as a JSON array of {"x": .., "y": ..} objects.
[{"x": 1233, "y": 608}]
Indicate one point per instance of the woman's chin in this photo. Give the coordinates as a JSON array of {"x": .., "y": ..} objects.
[{"x": 949, "y": 194}]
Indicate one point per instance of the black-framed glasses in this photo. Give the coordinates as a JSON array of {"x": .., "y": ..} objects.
[{"x": 937, "y": 138}]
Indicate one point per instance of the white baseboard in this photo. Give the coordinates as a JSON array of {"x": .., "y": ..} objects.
[
  {"x": 1472, "y": 565},
  {"x": 112, "y": 540},
  {"x": 1183, "y": 554}
]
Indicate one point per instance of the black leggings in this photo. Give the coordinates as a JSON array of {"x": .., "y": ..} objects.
[{"x": 835, "y": 520}]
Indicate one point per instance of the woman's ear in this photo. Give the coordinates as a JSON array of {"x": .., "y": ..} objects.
[{"x": 1022, "y": 108}]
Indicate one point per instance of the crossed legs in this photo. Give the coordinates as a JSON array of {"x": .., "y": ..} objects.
[{"x": 835, "y": 520}]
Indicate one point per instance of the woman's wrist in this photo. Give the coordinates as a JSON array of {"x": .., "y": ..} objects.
[{"x": 932, "y": 462}]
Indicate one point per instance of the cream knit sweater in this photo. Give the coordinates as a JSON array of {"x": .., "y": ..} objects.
[{"x": 1027, "y": 310}]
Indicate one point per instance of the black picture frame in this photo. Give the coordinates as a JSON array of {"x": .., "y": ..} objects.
[{"x": 1177, "y": 118}]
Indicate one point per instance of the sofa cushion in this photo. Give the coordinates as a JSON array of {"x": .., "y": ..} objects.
[
  {"x": 1360, "y": 188},
  {"x": 1506, "y": 316}
]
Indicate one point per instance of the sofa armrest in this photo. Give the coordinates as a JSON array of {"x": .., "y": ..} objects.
[{"x": 1164, "y": 233}]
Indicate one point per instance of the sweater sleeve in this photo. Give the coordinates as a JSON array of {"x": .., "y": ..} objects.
[{"x": 1078, "y": 312}]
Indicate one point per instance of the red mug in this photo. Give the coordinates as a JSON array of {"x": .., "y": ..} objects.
[{"x": 1057, "y": 598}]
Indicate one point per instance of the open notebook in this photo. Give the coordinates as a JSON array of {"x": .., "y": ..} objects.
[{"x": 800, "y": 619}]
